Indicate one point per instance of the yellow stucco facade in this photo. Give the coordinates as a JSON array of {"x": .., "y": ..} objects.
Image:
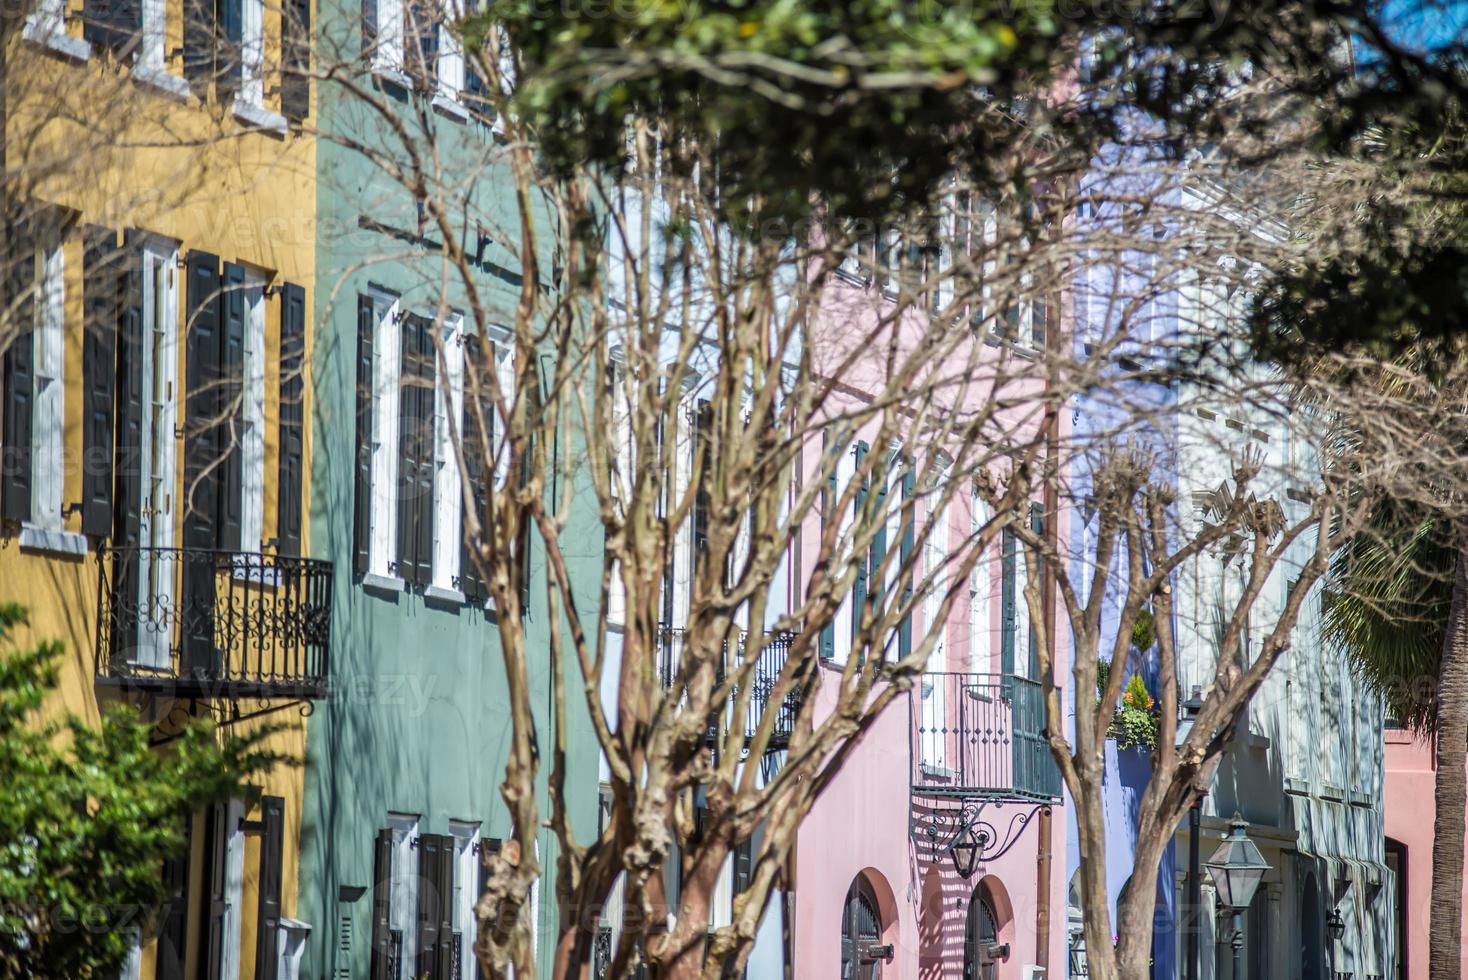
[{"x": 109, "y": 145}]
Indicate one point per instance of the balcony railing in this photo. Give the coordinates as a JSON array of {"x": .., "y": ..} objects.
[
  {"x": 199, "y": 623},
  {"x": 980, "y": 735},
  {"x": 772, "y": 658}
]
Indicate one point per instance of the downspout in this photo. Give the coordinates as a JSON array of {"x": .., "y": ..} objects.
[{"x": 1043, "y": 869}]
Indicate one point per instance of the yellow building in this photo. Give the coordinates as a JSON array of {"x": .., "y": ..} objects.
[{"x": 159, "y": 242}]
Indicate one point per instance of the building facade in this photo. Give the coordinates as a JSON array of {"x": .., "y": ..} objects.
[
  {"x": 405, "y": 766},
  {"x": 936, "y": 850},
  {"x": 160, "y": 266},
  {"x": 1305, "y": 768}
]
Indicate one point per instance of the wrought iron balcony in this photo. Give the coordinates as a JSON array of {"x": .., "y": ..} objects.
[
  {"x": 772, "y": 658},
  {"x": 980, "y": 736},
  {"x": 197, "y": 623}
]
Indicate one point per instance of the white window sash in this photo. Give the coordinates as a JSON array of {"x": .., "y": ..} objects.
[
  {"x": 389, "y": 54},
  {"x": 466, "y": 877},
  {"x": 450, "y": 52},
  {"x": 403, "y": 902},
  {"x": 252, "y": 432},
  {"x": 157, "y": 460},
  {"x": 252, "y": 52},
  {"x": 981, "y": 593},
  {"x": 386, "y": 369},
  {"x": 621, "y": 487},
  {"x": 151, "y": 53},
  {"x": 848, "y": 611},
  {"x": 47, "y": 432},
  {"x": 47, "y": 19}
]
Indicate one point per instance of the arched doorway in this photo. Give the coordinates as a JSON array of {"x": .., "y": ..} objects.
[
  {"x": 1312, "y": 932},
  {"x": 861, "y": 930},
  {"x": 981, "y": 937}
]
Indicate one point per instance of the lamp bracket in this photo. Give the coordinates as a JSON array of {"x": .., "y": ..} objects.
[{"x": 992, "y": 827}]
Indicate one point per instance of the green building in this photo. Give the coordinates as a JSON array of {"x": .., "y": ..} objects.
[{"x": 405, "y": 760}]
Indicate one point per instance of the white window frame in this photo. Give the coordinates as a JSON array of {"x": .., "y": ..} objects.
[
  {"x": 466, "y": 876},
  {"x": 622, "y": 478},
  {"x": 48, "y": 435},
  {"x": 980, "y": 595},
  {"x": 448, "y": 403},
  {"x": 252, "y": 415},
  {"x": 450, "y": 53},
  {"x": 847, "y": 611},
  {"x": 387, "y": 345},
  {"x": 389, "y": 55},
  {"x": 403, "y": 901},
  {"x": 158, "y": 459},
  {"x": 935, "y": 689},
  {"x": 1021, "y": 610},
  {"x": 252, "y": 53},
  {"x": 46, "y": 23}
]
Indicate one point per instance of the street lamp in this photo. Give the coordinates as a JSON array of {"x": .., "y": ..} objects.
[
  {"x": 1335, "y": 925},
  {"x": 965, "y": 852},
  {"x": 1236, "y": 868}
]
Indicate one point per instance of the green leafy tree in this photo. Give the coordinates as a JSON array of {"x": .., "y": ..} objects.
[{"x": 88, "y": 816}]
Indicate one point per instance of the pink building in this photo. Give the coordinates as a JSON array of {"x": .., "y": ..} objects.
[
  {"x": 937, "y": 852},
  {"x": 1410, "y": 812}
]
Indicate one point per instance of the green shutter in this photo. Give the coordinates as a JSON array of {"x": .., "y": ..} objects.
[
  {"x": 1007, "y": 602},
  {"x": 904, "y": 629},
  {"x": 863, "y": 567}
]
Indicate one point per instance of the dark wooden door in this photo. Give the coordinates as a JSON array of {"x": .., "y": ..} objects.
[
  {"x": 861, "y": 929},
  {"x": 982, "y": 932}
]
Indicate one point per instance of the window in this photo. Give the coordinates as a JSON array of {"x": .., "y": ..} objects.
[{"x": 409, "y": 508}]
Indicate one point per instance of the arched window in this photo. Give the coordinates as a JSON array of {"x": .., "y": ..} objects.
[{"x": 861, "y": 930}]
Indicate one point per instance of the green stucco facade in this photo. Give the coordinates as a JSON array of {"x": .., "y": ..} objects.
[{"x": 418, "y": 719}]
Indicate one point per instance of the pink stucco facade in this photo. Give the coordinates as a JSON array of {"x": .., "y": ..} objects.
[
  {"x": 863, "y": 824},
  {"x": 1410, "y": 812},
  {"x": 860, "y": 826}
]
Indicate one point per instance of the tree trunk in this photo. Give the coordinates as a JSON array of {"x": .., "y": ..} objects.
[{"x": 1451, "y": 789}]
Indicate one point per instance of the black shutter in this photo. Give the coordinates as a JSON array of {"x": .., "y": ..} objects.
[
  {"x": 233, "y": 310},
  {"x": 113, "y": 24},
  {"x": 478, "y": 471},
  {"x": 863, "y": 568},
  {"x": 409, "y": 428},
  {"x": 295, "y": 81},
  {"x": 18, "y": 384},
  {"x": 1037, "y": 524},
  {"x": 127, "y": 462},
  {"x": 905, "y": 546},
  {"x": 198, "y": 43},
  {"x": 415, "y": 476},
  {"x": 427, "y": 467},
  {"x": 291, "y": 480},
  {"x": 382, "y": 942},
  {"x": 743, "y": 865},
  {"x": 173, "y": 937},
  {"x": 362, "y": 495},
  {"x": 272, "y": 843},
  {"x": 216, "y": 899},
  {"x": 703, "y": 423},
  {"x": 201, "y": 457},
  {"x": 369, "y": 28},
  {"x": 1007, "y": 608},
  {"x": 430, "y": 900},
  {"x": 829, "y": 495},
  {"x": 421, "y": 40},
  {"x": 100, "y": 295},
  {"x": 448, "y": 941}
]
